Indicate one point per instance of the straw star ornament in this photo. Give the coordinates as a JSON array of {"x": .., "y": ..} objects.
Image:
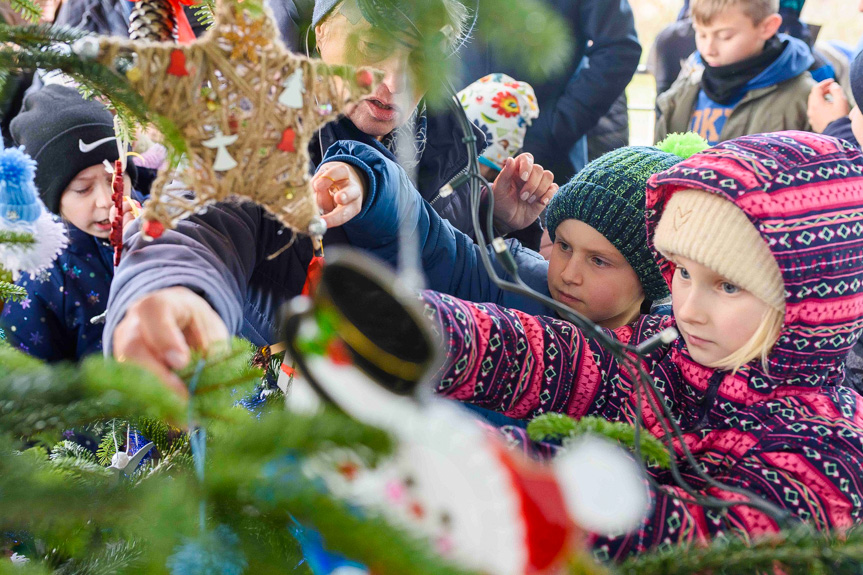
[{"x": 235, "y": 98}]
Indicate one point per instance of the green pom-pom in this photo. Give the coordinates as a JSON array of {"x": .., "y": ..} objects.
[{"x": 683, "y": 145}]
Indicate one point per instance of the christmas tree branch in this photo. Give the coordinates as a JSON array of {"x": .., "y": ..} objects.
[
  {"x": 560, "y": 426},
  {"x": 16, "y": 238},
  {"x": 11, "y": 292},
  {"x": 29, "y": 10},
  {"x": 46, "y": 47},
  {"x": 205, "y": 13},
  {"x": 800, "y": 551},
  {"x": 385, "y": 549}
]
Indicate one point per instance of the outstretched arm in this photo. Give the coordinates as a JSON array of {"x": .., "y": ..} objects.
[{"x": 450, "y": 259}]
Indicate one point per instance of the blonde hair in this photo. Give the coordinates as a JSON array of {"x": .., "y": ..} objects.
[
  {"x": 758, "y": 346},
  {"x": 704, "y": 11}
]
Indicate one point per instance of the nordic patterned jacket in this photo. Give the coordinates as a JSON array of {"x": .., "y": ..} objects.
[
  {"x": 794, "y": 437},
  {"x": 52, "y": 322}
]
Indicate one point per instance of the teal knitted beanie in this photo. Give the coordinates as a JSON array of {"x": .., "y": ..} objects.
[{"x": 608, "y": 195}]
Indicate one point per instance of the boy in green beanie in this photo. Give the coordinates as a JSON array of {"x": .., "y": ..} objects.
[{"x": 600, "y": 264}]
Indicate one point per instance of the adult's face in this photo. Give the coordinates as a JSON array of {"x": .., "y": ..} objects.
[{"x": 344, "y": 40}]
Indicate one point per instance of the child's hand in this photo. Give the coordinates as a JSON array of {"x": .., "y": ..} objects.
[
  {"x": 131, "y": 209},
  {"x": 159, "y": 330},
  {"x": 827, "y": 103},
  {"x": 521, "y": 192},
  {"x": 340, "y": 190}
]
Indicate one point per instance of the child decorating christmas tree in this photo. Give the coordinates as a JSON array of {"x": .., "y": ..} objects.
[
  {"x": 600, "y": 266},
  {"x": 760, "y": 242},
  {"x": 70, "y": 139}
]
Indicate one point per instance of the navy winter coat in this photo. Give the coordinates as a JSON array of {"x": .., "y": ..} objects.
[{"x": 573, "y": 101}]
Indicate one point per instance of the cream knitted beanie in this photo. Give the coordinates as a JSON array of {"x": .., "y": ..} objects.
[{"x": 712, "y": 231}]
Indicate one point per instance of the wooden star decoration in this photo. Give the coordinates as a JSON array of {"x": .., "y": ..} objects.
[{"x": 223, "y": 93}]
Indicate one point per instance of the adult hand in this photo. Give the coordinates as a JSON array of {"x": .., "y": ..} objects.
[
  {"x": 827, "y": 103},
  {"x": 521, "y": 191},
  {"x": 339, "y": 189},
  {"x": 161, "y": 328}
]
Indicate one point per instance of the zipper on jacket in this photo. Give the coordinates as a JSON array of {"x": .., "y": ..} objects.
[{"x": 708, "y": 401}]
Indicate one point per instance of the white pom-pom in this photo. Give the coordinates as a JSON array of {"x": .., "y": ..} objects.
[
  {"x": 50, "y": 236},
  {"x": 603, "y": 487}
]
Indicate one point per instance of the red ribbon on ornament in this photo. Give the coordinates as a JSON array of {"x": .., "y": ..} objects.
[
  {"x": 313, "y": 276},
  {"x": 185, "y": 35}
]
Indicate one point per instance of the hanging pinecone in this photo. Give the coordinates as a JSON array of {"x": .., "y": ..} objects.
[{"x": 152, "y": 20}]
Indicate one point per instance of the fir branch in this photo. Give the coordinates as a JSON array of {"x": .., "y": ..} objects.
[
  {"x": 41, "y": 398},
  {"x": 43, "y": 46},
  {"x": 117, "y": 557},
  {"x": 79, "y": 469},
  {"x": 584, "y": 564},
  {"x": 31, "y": 568},
  {"x": 16, "y": 238},
  {"x": 67, "y": 448},
  {"x": 39, "y": 35},
  {"x": 243, "y": 448},
  {"x": 799, "y": 551},
  {"x": 112, "y": 440},
  {"x": 167, "y": 440},
  {"x": 204, "y": 12},
  {"x": 28, "y": 9},
  {"x": 385, "y": 549},
  {"x": 11, "y": 292},
  {"x": 560, "y": 426}
]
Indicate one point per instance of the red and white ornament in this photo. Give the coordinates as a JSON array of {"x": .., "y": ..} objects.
[{"x": 454, "y": 482}]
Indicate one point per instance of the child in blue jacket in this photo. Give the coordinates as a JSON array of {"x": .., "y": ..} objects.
[
  {"x": 600, "y": 264},
  {"x": 69, "y": 138}
]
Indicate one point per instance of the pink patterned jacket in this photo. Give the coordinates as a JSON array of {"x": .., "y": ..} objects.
[{"x": 793, "y": 437}]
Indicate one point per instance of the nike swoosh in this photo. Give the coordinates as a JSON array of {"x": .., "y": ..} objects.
[{"x": 90, "y": 147}]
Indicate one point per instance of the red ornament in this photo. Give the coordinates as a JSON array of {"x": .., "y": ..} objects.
[
  {"x": 365, "y": 78},
  {"x": 178, "y": 64},
  {"x": 287, "y": 143},
  {"x": 153, "y": 229},
  {"x": 233, "y": 124},
  {"x": 116, "y": 236},
  {"x": 549, "y": 530}
]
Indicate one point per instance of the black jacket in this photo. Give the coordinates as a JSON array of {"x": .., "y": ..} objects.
[{"x": 573, "y": 101}]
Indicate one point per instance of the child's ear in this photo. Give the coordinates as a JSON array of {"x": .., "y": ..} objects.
[
  {"x": 769, "y": 26},
  {"x": 320, "y": 34}
]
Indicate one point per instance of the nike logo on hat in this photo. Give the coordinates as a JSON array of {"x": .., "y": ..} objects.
[{"x": 90, "y": 147}]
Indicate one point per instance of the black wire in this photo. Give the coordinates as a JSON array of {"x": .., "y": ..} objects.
[{"x": 622, "y": 353}]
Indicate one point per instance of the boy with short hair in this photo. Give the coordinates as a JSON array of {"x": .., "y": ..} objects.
[
  {"x": 746, "y": 78},
  {"x": 69, "y": 139}
]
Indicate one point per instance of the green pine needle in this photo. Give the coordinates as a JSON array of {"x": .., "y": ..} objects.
[
  {"x": 11, "y": 292},
  {"x": 28, "y": 9},
  {"x": 16, "y": 238},
  {"x": 560, "y": 426},
  {"x": 204, "y": 12},
  {"x": 113, "y": 440},
  {"x": 46, "y": 47},
  {"x": 799, "y": 551}
]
